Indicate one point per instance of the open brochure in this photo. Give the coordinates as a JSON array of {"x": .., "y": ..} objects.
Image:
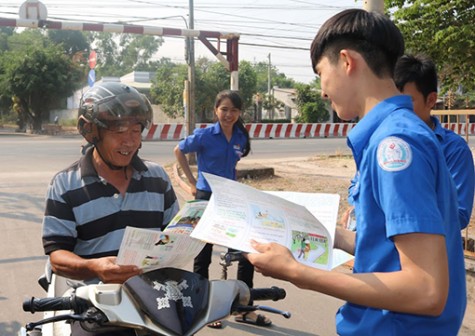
[
  {"x": 150, "y": 249},
  {"x": 237, "y": 213},
  {"x": 322, "y": 206}
]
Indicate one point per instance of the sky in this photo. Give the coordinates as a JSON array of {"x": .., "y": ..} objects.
[{"x": 275, "y": 31}]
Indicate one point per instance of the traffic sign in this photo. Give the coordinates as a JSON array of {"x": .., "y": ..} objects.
[
  {"x": 92, "y": 59},
  {"x": 91, "y": 77}
]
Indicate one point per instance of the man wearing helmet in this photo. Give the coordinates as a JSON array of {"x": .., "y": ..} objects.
[{"x": 90, "y": 203}]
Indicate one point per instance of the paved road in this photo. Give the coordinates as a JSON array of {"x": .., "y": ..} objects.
[{"x": 28, "y": 164}]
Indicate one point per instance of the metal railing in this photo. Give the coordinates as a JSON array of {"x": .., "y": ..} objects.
[{"x": 457, "y": 113}]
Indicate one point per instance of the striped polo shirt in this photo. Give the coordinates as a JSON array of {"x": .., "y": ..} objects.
[{"x": 87, "y": 215}]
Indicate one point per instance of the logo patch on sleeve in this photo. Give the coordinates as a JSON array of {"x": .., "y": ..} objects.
[{"x": 394, "y": 154}]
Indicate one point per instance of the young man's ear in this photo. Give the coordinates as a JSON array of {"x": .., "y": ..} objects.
[
  {"x": 349, "y": 59},
  {"x": 431, "y": 99}
]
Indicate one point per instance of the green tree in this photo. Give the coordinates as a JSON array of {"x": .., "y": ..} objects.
[
  {"x": 168, "y": 86},
  {"x": 38, "y": 77},
  {"x": 107, "y": 54},
  {"x": 5, "y": 33},
  {"x": 210, "y": 78},
  {"x": 443, "y": 30},
  {"x": 29, "y": 38},
  {"x": 72, "y": 42},
  {"x": 247, "y": 82},
  {"x": 213, "y": 78},
  {"x": 137, "y": 50},
  {"x": 118, "y": 55},
  {"x": 313, "y": 109},
  {"x": 5, "y": 100},
  {"x": 277, "y": 78}
]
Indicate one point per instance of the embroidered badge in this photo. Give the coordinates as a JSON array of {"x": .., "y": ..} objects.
[
  {"x": 394, "y": 154},
  {"x": 237, "y": 149}
]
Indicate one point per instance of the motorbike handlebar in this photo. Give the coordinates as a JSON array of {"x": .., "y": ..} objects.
[
  {"x": 273, "y": 293},
  {"x": 54, "y": 304}
]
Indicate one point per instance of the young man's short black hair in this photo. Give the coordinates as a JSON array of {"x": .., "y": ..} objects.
[
  {"x": 371, "y": 34},
  {"x": 419, "y": 70}
]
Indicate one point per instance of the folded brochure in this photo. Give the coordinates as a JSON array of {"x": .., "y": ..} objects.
[
  {"x": 151, "y": 249},
  {"x": 237, "y": 213}
]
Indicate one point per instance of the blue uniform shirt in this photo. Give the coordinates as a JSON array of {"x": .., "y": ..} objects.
[
  {"x": 460, "y": 163},
  {"x": 215, "y": 155},
  {"x": 404, "y": 187}
]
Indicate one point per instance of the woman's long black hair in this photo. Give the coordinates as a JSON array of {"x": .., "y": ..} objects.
[{"x": 236, "y": 100}]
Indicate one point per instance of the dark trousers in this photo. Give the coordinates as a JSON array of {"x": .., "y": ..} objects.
[{"x": 202, "y": 261}]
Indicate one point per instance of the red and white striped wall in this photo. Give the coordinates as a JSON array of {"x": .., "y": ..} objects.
[
  {"x": 278, "y": 131},
  {"x": 257, "y": 131}
]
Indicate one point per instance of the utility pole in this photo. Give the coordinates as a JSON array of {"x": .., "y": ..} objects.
[
  {"x": 374, "y": 6},
  {"x": 269, "y": 89},
  {"x": 190, "y": 90},
  {"x": 191, "y": 72}
]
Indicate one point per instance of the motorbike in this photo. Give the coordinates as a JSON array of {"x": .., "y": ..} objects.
[{"x": 166, "y": 301}]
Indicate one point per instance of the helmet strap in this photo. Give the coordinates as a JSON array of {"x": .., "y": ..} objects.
[
  {"x": 112, "y": 166},
  {"x": 107, "y": 162},
  {"x": 95, "y": 142}
]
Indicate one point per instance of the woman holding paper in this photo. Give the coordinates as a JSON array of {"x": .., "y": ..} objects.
[{"x": 219, "y": 147}]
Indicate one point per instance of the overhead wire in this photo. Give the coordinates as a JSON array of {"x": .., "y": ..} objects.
[{"x": 258, "y": 30}]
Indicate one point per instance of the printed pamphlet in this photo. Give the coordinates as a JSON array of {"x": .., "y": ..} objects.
[
  {"x": 237, "y": 213},
  {"x": 150, "y": 249}
]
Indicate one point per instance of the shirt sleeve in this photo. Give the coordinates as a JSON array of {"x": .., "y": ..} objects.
[
  {"x": 460, "y": 163},
  {"x": 59, "y": 226},
  {"x": 405, "y": 178},
  {"x": 192, "y": 143}
]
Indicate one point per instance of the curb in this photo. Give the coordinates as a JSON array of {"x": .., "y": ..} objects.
[
  {"x": 257, "y": 171},
  {"x": 13, "y": 133},
  {"x": 182, "y": 184}
]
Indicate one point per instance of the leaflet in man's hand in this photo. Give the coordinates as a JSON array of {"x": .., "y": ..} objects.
[
  {"x": 237, "y": 213},
  {"x": 151, "y": 249}
]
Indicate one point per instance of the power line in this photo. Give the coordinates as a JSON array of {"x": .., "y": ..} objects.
[
  {"x": 273, "y": 46},
  {"x": 279, "y": 37},
  {"x": 261, "y": 24}
]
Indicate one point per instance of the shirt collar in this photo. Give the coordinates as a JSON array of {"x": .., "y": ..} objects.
[
  {"x": 438, "y": 129},
  {"x": 360, "y": 134},
  {"x": 87, "y": 167},
  {"x": 217, "y": 128}
]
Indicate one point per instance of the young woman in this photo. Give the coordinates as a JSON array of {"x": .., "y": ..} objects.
[{"x": 218, "y": 149}]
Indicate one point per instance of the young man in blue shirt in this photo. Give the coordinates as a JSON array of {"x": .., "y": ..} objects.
[
  {"x": 416, "y": 76},
  {"x": 409, "y": 275}
]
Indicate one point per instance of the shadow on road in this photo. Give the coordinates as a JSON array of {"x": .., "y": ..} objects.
[
  {"x": 273, "y": 330},
  {"x": 9, "y": 329}
]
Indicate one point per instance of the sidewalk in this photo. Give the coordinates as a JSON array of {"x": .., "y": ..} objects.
[
  {"x": 248, "y": 170},
  {"x": 9, "y": 130}
]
